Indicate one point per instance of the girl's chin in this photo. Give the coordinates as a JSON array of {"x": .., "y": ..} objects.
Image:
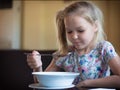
[{"x": 79, "y": 47}]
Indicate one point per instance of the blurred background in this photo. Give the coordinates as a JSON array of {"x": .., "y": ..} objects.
[{"x": 30, "y": 24}]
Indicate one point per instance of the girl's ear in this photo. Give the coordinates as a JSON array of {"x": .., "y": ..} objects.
[{"x": 96, "y": 26}]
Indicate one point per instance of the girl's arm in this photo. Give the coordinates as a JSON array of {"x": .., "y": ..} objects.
[
  {"x": 52, "y": 66},
  {"x": 112, "y": 81}
]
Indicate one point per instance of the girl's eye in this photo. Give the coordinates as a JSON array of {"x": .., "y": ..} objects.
[{"x": 80, "y": 31}]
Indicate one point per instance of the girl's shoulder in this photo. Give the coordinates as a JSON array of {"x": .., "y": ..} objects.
[
  {"x": 106, "y": 48},
  {"x": 104, "y": 44}
]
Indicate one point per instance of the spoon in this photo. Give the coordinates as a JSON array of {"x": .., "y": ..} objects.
[{"x": 58, "y": 55}]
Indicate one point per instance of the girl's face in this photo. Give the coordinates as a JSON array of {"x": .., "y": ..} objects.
[{"x": 79, "y": 31}]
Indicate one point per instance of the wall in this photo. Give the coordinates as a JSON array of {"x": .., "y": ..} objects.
[
  {"x": 10, "y": 27},
  {"x": 39, "y": 24},
  {"x": 114, "y": 24}
]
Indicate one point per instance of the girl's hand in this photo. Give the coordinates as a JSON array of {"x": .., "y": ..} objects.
[
  {"x": 34, "y": 60},
  {"x": 80, "y": 85}
]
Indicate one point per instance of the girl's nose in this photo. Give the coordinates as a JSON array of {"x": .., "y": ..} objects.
[{"x": 75, "y": 35}]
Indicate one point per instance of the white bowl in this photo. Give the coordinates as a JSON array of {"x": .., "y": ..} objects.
[{"x": 55, "y": 79}]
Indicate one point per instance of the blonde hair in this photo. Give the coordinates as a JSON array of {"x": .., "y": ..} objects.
[{"x": 87, "y": 10}]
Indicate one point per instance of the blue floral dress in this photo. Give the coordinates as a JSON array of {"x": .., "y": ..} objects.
[{"x": 90, "y": 66}]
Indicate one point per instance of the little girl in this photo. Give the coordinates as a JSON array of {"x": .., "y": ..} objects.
[{"x": 82, "y": 41}]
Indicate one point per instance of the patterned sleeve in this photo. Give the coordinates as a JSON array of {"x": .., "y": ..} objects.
[{"x": 108, "y": 51}]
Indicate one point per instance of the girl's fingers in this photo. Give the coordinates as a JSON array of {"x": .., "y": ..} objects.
[
  {"x": 35, "y": 52},
  {"x": 34, "y": 59}
]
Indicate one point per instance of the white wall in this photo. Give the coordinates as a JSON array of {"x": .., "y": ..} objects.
[{"x": 10, "y": 26}]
